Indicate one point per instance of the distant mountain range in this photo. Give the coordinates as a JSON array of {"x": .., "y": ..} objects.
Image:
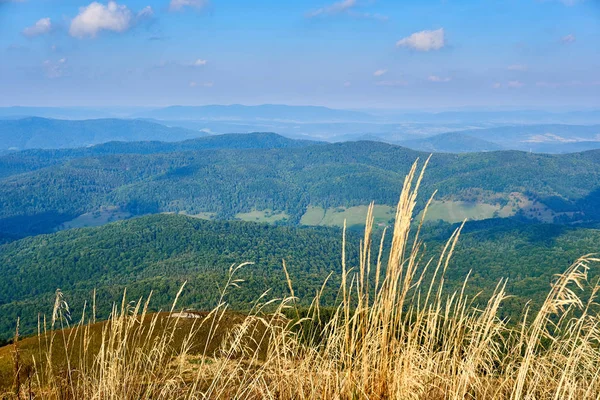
[
  {"x": 554, "y": 138},
  {"x": 266, "y": 112},
  {"x": 309, "y": 114},
  {"x": 512, "y": 117},
  {"x": 44, "y": 133}
]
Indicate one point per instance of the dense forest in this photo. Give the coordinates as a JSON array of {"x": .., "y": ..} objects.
[
  {"x": 158, "y": 253},
  {"x": 280, "y": 175}
]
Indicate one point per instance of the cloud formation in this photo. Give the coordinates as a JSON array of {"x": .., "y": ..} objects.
[
  {"x": 435, "y": 78},
  {"x": 335, "y": 8},
  {"x": 54, "y": 69},
  {"x": 98, "y": 17},
  {"x": 41, "y": 27},
  {"x": 570, "y": 38},
  {"x": 146, "y": 12},
  {"x": 198, "y": 63},
  {"x": 345, "y": 7},
  {"x": 177, "y": 5},
  {"x": 424, "y": 40},
  {"x": 380, "y": 72}
]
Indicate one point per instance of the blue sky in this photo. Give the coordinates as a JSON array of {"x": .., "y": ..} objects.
[{"x": 352, "y": 53}]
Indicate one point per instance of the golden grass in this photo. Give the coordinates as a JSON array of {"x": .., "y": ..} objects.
[{"x": 393, "y": 335}]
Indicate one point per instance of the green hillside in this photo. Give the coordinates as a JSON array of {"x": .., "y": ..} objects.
[
  {"x": 158, "y": 253},
  {"x": 227, "y": 182},
  {"x": 30, "y": 160}
]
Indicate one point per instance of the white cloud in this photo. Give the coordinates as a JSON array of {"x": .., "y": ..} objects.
[
  {"x": 177, "y": 5},
  {"x": 146, "y": 12},
  {"x": 54, "y": 69},
  {"x": 41, "y": 27},
  {"x": 345, "y": 7},
  {"x": 517, "y": 67},
  {"x": 570, "y": 38},
  {"x": 515, "y": 84},
  {"x": 98, "y": 17},
  {"x": 193, "y": 84},
  {"x": 347, "y": 84},
  {"x": 391, "y": 83},
  {"x": 435, "y": 78},
  {"x": 380, "y": 72},
  {"x": 424, "y": 40},
  {"x": 198, "y": 63},
  {"x": 497, "y": 85},
  {"x": 335, "y": 8}
]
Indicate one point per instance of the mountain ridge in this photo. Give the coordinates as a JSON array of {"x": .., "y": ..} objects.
[{"x": 36, "y": 132}]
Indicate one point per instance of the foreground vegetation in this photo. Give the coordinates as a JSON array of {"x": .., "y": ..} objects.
[{"x": 396, "y": 332}]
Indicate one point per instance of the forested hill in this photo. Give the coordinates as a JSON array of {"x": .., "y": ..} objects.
[
  {"x": 29, "y": 160},
  {"x": 158, "y": 253},
  {"x": 34, "y": 132},
  {"x": 225, "y": 182}
]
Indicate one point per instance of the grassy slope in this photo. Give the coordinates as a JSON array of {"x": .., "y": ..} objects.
[{"x": 34, "y": 347}]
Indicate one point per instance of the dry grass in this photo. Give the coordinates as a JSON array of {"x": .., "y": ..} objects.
[{"x": 393, "y": 335}]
